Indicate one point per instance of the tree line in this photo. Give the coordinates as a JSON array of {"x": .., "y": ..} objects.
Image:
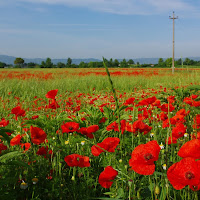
[{"x": 19, "y": 63}]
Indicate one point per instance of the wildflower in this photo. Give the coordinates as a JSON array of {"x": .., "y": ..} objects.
[
  {"x": 75, "y": 160},
  {"x": 23, "y": 185},
  {"x": 185, "y": 134},
  {"x": 190, "y": 149},
  {"x": 109, "y": 144},
  {"x": 82, "y": 142},
  {"x": 184, "y": 172},
  {"x": 107, "y": 176},
  {"x": 67, "y": 142},
  {"x": 143, "y": 157},
  {"x": 164, "y": 166},
  {"x": 16, "y": 140},
  {"x": 38, "y": 136},
  {"x": 152, "y": 134},
  {"x": 35, "y": 180},
  {"x": 51, "y": 94},
  {"x": 162, "y": 146},
  {"x": 70, "y": 127}
]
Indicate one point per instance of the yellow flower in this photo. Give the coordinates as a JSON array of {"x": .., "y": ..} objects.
[{"x": 67, "y": 142}]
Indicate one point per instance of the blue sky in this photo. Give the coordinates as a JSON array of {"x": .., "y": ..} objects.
[{"x": 96, "y": 28}]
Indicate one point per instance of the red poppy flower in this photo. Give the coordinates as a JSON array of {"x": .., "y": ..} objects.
[
  {"x": 75, "y": 160},
  {"x": 107, "y": 176},
  {"x": 129, "y": 101},
  {"x": 140, "y": 126},
  {"x": 190, "y": 149},
  {"x": 70, "y": 127},
  {"x": 103, "y": 120},
  {"x": 53, "y": 104},
  {"x": 167, "y": 107},
  {"x": 177, "y": 119},
  {"x": 25, "y": 146},
  {"x": 42, "y": 151},
  {"x": 2, "y": 147},
  {"x": 197, "y": 122},
  {"x": 89, "y": 130},
  {"x": 3, "y": 122},
  {"x": 16, "y": 140},
  {"x": 113, "y": 126},
  {"x": 51, "y": 94},
  {"x": 17, "y": 111},
  {"x": 109, "y": 144},
  {"x": 196, "y": 187},
  {"x": 38, "y": 136},
  {"x": 185, "y": 172},
  {"x": 178, "y": 131},
  {"x": 35, "y": 117},
  {"x": 143, "y": 157},
  {"x": 146, "y": 102}
]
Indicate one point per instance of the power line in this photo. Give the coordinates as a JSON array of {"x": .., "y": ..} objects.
[{"x": 173, "y": 41}]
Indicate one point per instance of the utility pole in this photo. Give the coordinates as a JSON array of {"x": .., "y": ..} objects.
[{"x": 173, "y": 41}]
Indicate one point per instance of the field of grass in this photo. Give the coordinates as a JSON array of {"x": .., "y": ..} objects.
[{"x": 70, "y": 134}]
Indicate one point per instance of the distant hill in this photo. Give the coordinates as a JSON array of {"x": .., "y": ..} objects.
[{"x": 10, "y": 60}]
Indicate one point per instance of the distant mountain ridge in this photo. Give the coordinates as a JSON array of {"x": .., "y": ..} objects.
[{"x": 10, "y": 60}]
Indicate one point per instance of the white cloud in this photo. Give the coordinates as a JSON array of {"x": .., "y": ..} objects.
[{"x": 126, "y": 7}]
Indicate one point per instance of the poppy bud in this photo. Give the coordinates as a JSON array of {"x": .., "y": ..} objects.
[{"x": 157, "y": 190}]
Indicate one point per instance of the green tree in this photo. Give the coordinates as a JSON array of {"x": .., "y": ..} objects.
[
  {"x": 31, "y": 65},
  {"x": 48, "y": 63},
  {"x": 161, "y": 62},
  {"x": 69, "y": 62},
  {"x": 168, "y": 62},
  {"x": 123, "y": 63},
  {"x": 83, "y": 65},
  {"x": 116, "y": 63},
  {"x": 61, "y": 65},
  {"x": 186, "y": 61},
  {"x": 19, "y": 62},
  {"x": 43, "y": 64},
  {"x": 2, "y": 65},
  {"x": 91, "y": 64},
  {"x": 131, "y": 62},
  {"x": 178, "y": 62}
]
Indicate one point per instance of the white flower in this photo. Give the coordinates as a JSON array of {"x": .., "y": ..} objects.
[
  {"x": 23, "y": 185},
  {"x": 186, "y": 135},
  {"x": 82, "y": 142},
  {"x": 164, "y": 166},
  {"x": 162, "y": 146},
  {"x": 151, "y": 134}
]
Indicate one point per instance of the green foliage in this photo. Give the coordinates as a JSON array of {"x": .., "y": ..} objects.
[
  {"x": 69, "y": 62},
  {"x": 2, "y": 65}
]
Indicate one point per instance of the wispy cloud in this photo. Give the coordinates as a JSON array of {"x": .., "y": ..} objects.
[{"x": 126, "y": 7}]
